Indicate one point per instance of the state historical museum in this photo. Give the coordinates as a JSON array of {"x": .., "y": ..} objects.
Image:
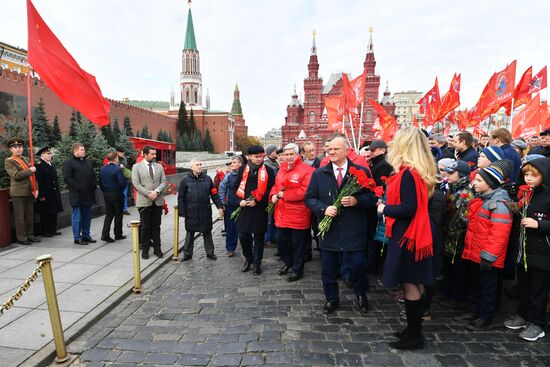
[{"x": 307, "y": 120}]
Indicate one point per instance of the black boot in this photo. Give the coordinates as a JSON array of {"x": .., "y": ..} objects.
[
  {"x": 157, "y": 251},
  {"x": 246, "y": 266},
  {"x": 412, "y": 337}
]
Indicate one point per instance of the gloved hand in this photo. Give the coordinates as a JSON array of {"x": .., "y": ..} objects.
[{"x": 485, "y": 265}]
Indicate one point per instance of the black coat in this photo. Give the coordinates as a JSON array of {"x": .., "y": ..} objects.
[
  {"x": 348, "y": 231},
  {"x": 254, "y": 219},
  {"x": 437, "y": 208},
  {"x": 80, "y": 178},
  {"x": 469, "y": 156},
  {"x": 49, "y": 195},
  {"x": 400, "y": 266},
  {"x": 194, "y": 195},
  {"x": 380, "y": 167},
  {"x": 447, "y": 152},
  {"x": 537, "y": 239}
]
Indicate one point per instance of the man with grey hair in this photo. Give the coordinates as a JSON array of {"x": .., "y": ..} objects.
[
  {"x": 292, "y": 217},
  {"x": 439, "y": 141},
  {"x": 194, "y": 195}
]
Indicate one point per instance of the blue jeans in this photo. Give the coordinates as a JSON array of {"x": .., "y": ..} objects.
[
  {"x": 356, "y": 262},
  {"x": 125, "y": 192},
  {"x": 292, "y": 244},
  {"x": 271, "y": 234},
  {"x": 81, "y": 219},
  {"x": 231, "y": 234}
]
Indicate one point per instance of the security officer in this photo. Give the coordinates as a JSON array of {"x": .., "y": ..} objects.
[
  {"x": 48, "y": 201},
  {"x": 22, "y": 181}
]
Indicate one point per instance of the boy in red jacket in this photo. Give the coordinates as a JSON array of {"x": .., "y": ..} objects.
[{"x": 489, "y": 225}]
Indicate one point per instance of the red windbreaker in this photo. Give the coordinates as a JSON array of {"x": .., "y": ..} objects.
[{"x": 291, "y": 210}]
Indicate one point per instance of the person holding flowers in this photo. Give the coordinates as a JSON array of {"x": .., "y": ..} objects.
[
  {"x": 409, "y": 254},
  {"x": 339, "y": 194},
  {"x": 486, "y": 241},
  {"x": 255, "y": 182},
  {"x": 292, "y": 217},
  {"x": 533, "y": 257}
]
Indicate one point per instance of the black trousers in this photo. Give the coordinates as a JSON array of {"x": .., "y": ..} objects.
[
  {"x": 533, "y": 287},
  {"x": 189, "y": 243},
  {"x": 483, "y": 290},
  {"x": 292, "y": 243},
  {"x": 253, "y": 247},
  {"x": 48, "y": 222},
  {"x": 150, "y": 217},
  {"x": 114, "y": 205}
]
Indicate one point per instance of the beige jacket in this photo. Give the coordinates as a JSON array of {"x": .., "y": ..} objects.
[{"x": 144, "y": 184}]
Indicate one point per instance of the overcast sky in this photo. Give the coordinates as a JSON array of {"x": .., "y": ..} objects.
[{"x": 134, "y": 47}]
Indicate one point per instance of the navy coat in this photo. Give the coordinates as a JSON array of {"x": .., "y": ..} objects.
[
  {"x": 348, "y": 231},
  {"x": 512, "y": 156},
  {"x": 400, "y": 266},
  {"x": 194, "y": 195},
  {"x": 469, "y": 156}
]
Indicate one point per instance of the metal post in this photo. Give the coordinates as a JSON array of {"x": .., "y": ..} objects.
[
  {"x": 176, "y": 233},
  {"x": 137, "y": 268},
  {"x": 53, "y": 308}
]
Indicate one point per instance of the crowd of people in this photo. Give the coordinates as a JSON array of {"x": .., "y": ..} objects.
[{"x": 426, "y": 212}]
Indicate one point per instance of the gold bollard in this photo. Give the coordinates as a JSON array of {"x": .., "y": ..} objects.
[
  {"x": 137, "y": 268},
  {"x": 176, "y": 233},
  {"x": 53, "y": 308}
]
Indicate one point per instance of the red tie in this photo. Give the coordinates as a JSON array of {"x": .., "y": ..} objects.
[{"x": 339, "y": 177}]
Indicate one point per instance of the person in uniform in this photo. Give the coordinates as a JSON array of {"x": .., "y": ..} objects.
[
  {"x": 22, "y": 186},
  {"x": 48, "y": 202}
]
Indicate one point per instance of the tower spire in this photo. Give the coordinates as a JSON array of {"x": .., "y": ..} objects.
[
  {"x": 190, "y": 42},
  {"x": 370, "y": 48},
  {"x": 236, "y": 109},
  {"x": 314, "y": 46}
]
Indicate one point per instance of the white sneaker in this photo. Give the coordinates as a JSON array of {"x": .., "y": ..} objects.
[
  {"x": 515, "y": 323},
  {"x": 532, "y": 333}
]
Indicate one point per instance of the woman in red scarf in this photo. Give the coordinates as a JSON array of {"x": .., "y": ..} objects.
[{"x": 410, "y": 246}]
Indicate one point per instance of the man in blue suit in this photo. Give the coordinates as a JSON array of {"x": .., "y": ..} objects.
[{"x": 347, "y": 237}]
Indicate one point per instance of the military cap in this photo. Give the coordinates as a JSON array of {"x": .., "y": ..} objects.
[{"x": 14, "y": 142}]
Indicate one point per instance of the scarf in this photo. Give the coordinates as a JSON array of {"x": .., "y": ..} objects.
[
  {"x": 418, "y": 237},
  {"x": 262, "y": 182},
  {"x": 24, "y": 166}
]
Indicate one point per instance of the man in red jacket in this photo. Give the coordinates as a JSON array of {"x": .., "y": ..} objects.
[{"x": 292, "y": 217}]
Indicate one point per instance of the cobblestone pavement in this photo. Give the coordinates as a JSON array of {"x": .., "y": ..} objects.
[{"x": 208, "y": 313}]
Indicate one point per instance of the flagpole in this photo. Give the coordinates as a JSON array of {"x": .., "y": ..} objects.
[
  {"x": 29, "y": 121},
  {"x": 361, "y": 122},
  {"x": 511, "y": 114},
  {"x": 352, "y": 133}
]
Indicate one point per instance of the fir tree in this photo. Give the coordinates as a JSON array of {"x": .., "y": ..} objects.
[
  {"x": 190, "y": 143},
  {"x": 72, "y": 128},
  {"x": 107, "y": 133},
  {"x": 41, "y": 130},
  {"x": 198, "y": 141},
  {"x": 145, "y": 133},
  {"x": 183, "y": 121},
  {"x": 78, "y": 117},
  {"x": 208, "y": 145},
  {"x": 192, "y": 124},
  {"x": 116, "y": 128},
  {"x": 160, "y": 135},
  {"x": 181, "y": 143},
  {"x": 56, "y": 132},
  {"x": 128, "y": 126},
  {"x": 138, "y": 134},
  {"x": 170, "y": 139}
]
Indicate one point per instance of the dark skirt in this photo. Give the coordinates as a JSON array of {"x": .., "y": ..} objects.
[{"x": 400, "y": 266}]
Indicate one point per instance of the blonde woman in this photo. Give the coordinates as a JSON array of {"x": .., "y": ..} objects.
[{"x": 410, "y": 246}]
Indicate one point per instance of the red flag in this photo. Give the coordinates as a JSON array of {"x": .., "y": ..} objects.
[
  {"x": 504, "y": 85},
  {"x": 358, "y": 86},
  {"x": 527, "y": 122},
  {"x": 462, "y": 119},
  {"x": 544, "y": 115},
  {"x": 539, "y": 82},
  {"x": 521, "y": 94},
  {"x": 447, "y": 129},
  {"x": 415, "y": 122},
  {"x": 348, "y": 95},
  {"x": 451, "y": 99},
  {"x": 61, "y": 72},
  {"x": 386, "y": 123},
  {"x": 485, "y": 104},
  {"x": 430, "y": 104},
  {"x": 332, "y": 104}
]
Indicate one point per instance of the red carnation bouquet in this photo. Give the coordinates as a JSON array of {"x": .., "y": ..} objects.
[
  {"x": 254, "y": 195},
  {"x": 170, "y": 189},
  {"x": 357, "y": 181},
  {"x": 525, "y": 193},
  {"x": 288, "y": 184}
]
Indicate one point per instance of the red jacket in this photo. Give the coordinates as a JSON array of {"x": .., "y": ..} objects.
[
  {"x": 291, "y": 210},
  {"x": 489, "y": 225}
]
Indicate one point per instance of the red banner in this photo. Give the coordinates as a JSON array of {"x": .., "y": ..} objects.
[{"x": 527, "y": 122}]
